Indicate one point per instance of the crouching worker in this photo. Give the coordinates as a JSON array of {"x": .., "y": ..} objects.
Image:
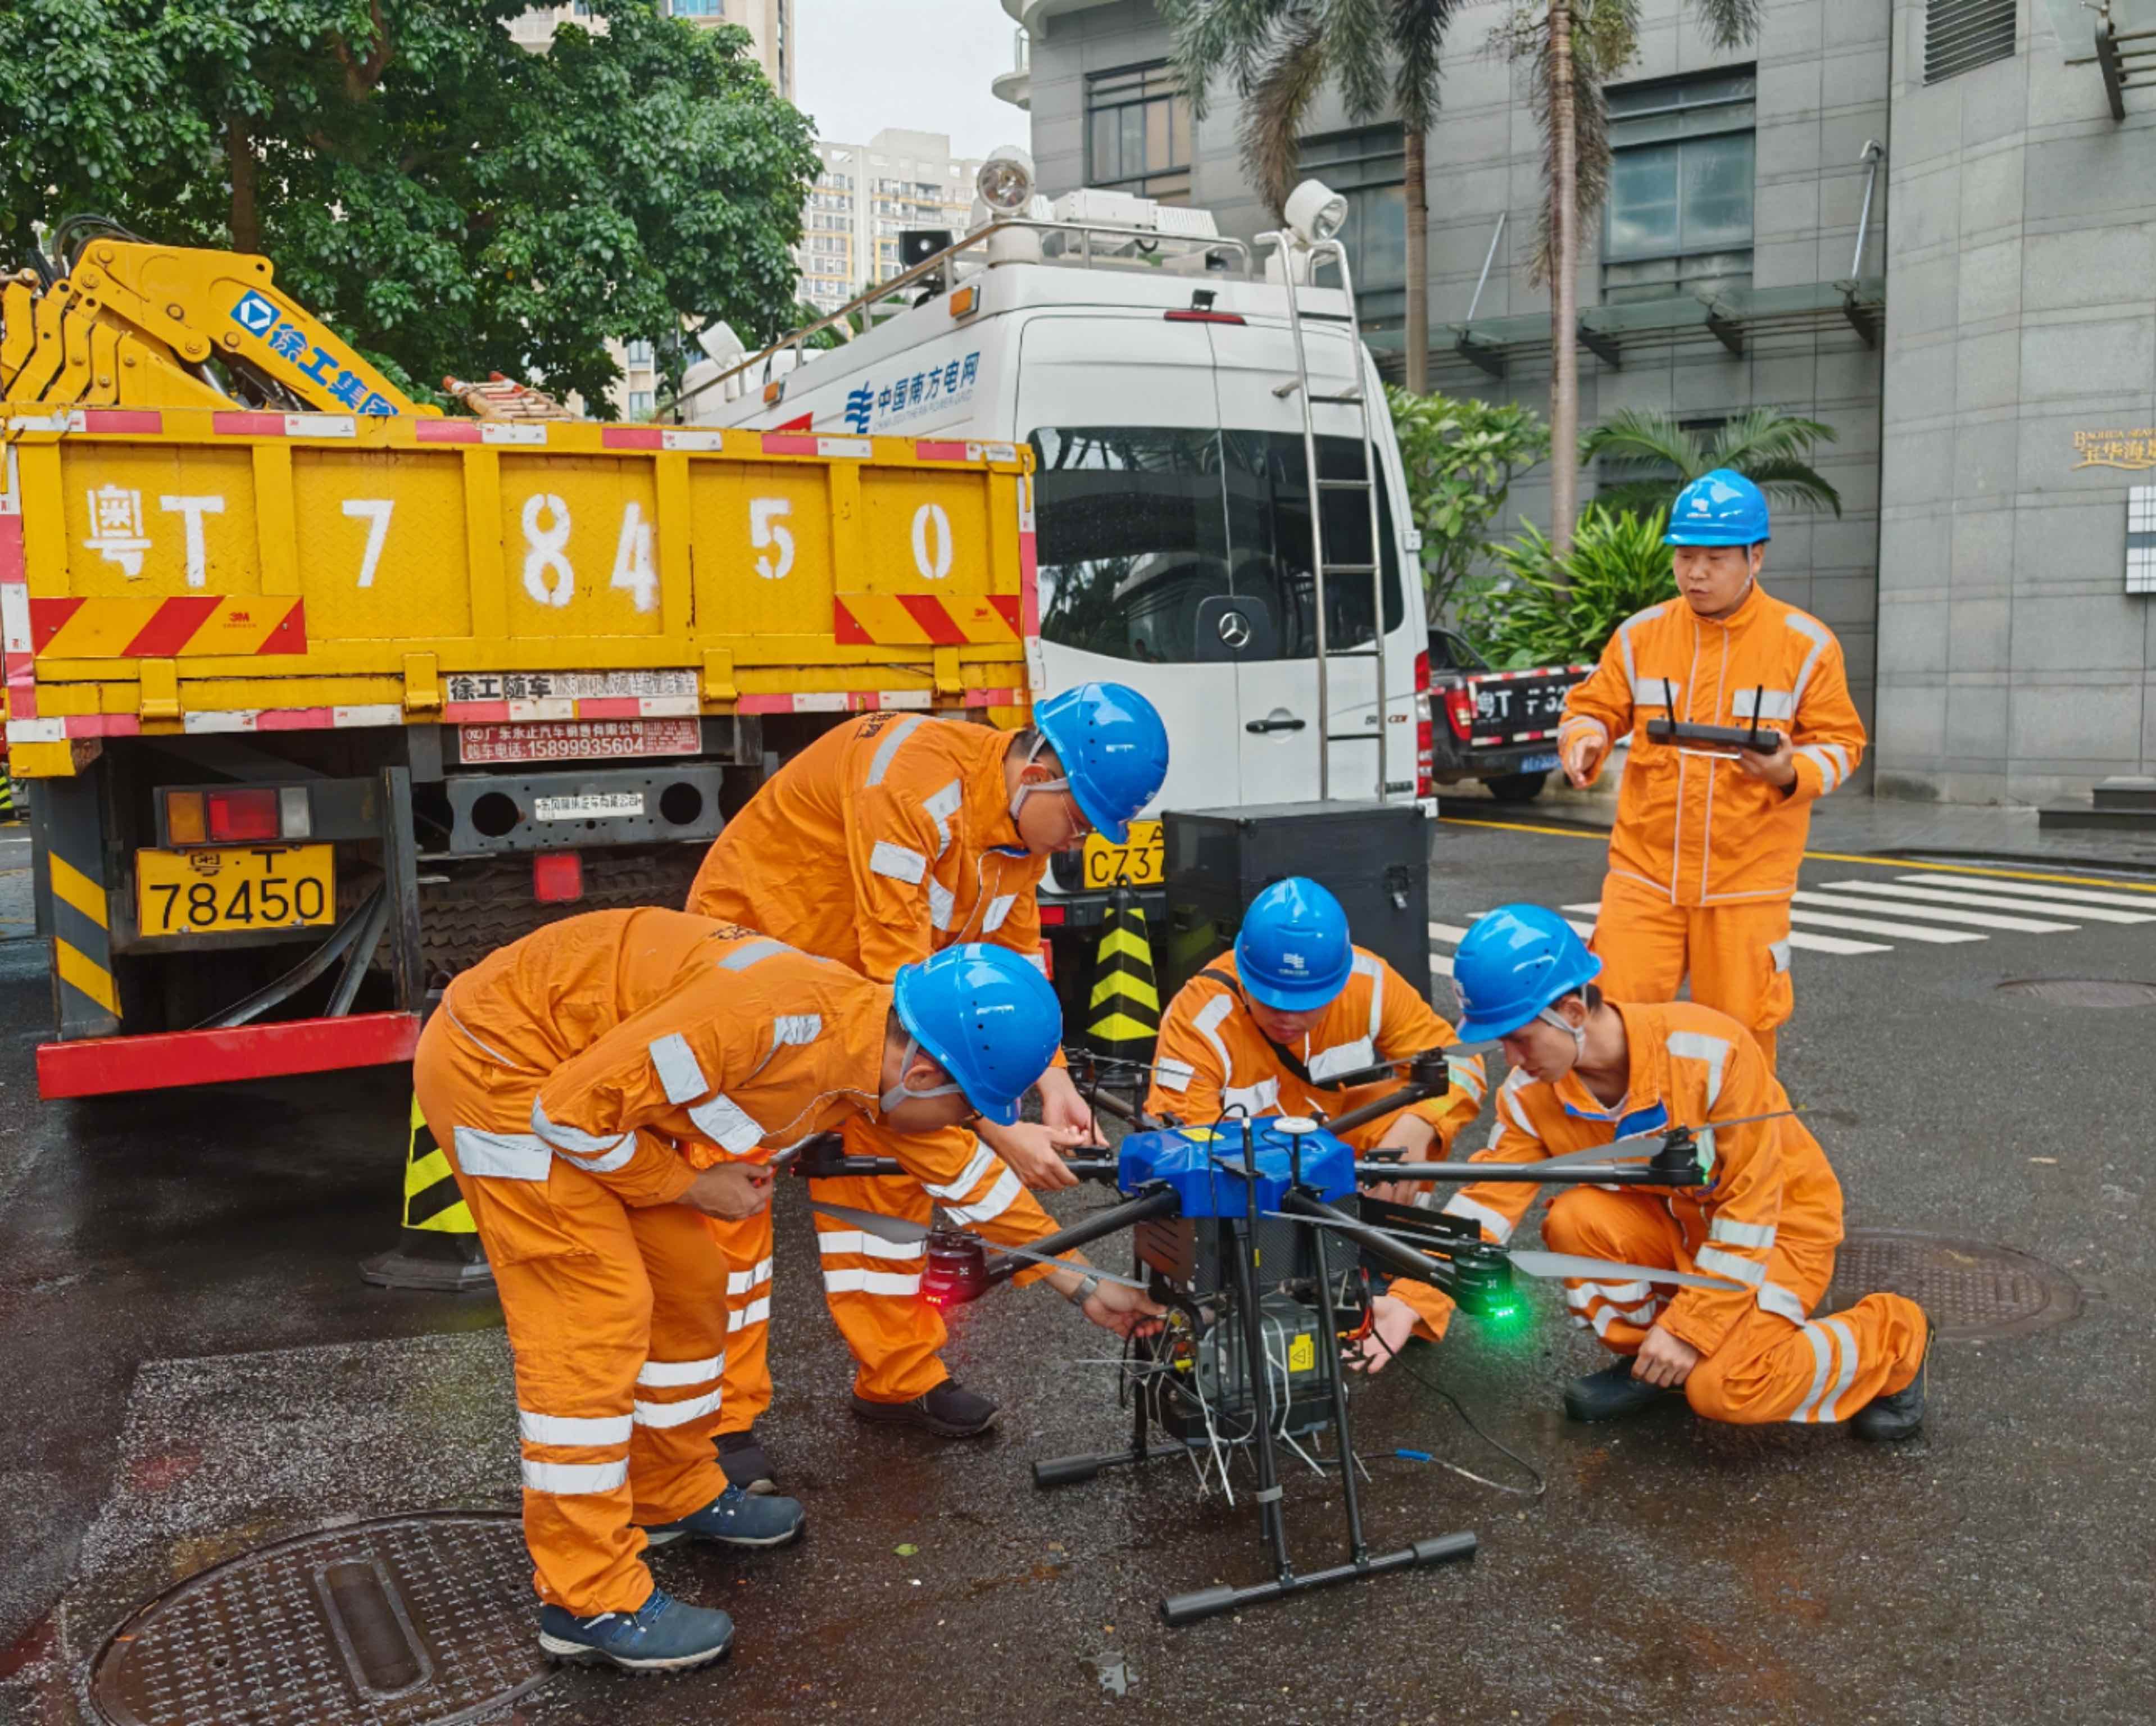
[
  {"x": 601, "y": 1087},
  {"x": 1298, "y": 1007},
  {"x": 1587, "y": 1071}
]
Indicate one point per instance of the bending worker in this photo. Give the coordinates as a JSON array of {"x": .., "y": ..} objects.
[
  {"x": 595, "y": 1087},
  {"x": 1704, "y": 854},
  {"x": 886, "y": 840},
  {"x": 1587, "y": 1071},
  {"x": 1275, "y": 1028}
]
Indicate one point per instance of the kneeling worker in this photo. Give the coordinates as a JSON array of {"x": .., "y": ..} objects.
[
  {"x": 1297, "y": 1008},
  {"x": 1587, "y": 1071},
  {"x": 600, "y": 1087}
]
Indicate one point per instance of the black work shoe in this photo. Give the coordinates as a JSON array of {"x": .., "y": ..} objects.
[
  {"x": 946, "y": 1411},
  {"x": 746, "y": 1466},
  {"x": 1611, "y": 1393},
  {"x": 1885, "y": 1418}
]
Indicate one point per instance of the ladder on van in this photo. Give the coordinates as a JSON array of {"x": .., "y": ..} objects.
[{"x": 1290, "y": 248}]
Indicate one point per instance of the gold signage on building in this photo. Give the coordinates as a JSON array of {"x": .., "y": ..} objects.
[{"x": 2134, "y": 450}]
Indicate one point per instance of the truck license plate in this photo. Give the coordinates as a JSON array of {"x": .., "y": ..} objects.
[
  {"x": 1539, "y": 764},
  {"x": 205, "y": 892},
  {"x": 1138, "y": 864},
  {"x": 577, "y": 740}
]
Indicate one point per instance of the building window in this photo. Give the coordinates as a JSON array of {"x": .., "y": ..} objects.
[
  {"x": 638, "y": 353},
  {"x": 642, "y": 404},
  {"x": 1679, "y": 218},
  {"x": 698, "y": 9},
  {"x": 1960, "y": 35},
  {"x": 1137, "y": 122},
  {"x": 1369, "y": 169}
]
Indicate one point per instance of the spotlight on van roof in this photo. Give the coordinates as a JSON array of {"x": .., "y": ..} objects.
[
  {"x": 1314, "y": 212},
  {"x": 1005, "y": 180}
]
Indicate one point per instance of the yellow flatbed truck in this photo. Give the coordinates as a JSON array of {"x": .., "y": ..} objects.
[{"x": 320, "y": 694}]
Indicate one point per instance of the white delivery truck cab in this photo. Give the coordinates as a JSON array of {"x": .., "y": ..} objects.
[{"x": 1152, "y": 368}]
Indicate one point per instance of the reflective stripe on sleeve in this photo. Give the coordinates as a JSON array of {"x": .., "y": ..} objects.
[
  {"x": 607, "y": 1162},
  {"x": 678, "y": 1414},
  {"x": 1830, "y": 775},
  {"x": 941, "y": 806},
  {"x": 796, "y": 1030},
  {"x": 1468, "y": 1077},
  {"x": 1732, "y": 1233},
  {"x": 673, "y": 1374},
  {"x": 575, "y": 1480},
  {"x": 1716, "y": 1263},
  {"x": 502, "y": 1156},
  {"x": 970, "y": 1176},
  {"x": 574, "y": 1140},
  {"x": 727, "y": 1124},
  {"x": 676, "y": 1064},
  {"x": 1173, "y": 1075},
  {"x": 850, "y": 1280},
  {"x": 1499, "y": 1225},
  {"x": 740, "y": 1283},
  {"x": 898, "y": 862},
  {"x": 1816, "y": 633},
  {"x": 941, "y": 903},
  {"x": 1780, "y": 1301},
  {"x": 879, "y": 763},
  {"x": 756, "y": 1312},
  {"x": 992, "y": 1204},
  {"x": 750, "y": 952},
  {"x": 572, "y": 1429}
]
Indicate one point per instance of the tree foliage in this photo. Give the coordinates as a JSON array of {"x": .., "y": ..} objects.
[
  {"x": 1769, "y": 448},
  {"x": 1460, "y": 457},
  {"x": 1552, "y": 609},
  {"x": 452, "y": 202}
]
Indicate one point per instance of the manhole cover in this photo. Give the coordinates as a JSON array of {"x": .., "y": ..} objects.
[
  {"x": 416, "y": 1620},
  {"x": 1970, "y": 1289},
  {"x": 2082, "y": 991}
]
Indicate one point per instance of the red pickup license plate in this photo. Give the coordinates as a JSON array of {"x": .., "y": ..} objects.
[{"x": 577, "y": 740}]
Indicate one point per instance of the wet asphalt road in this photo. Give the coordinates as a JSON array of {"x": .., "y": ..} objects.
[{"x": 191, "y": 1367}]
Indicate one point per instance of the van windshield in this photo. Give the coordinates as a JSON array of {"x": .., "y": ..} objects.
[{"x": 1166, "y": 546}]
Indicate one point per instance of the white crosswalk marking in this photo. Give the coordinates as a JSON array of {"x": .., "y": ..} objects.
[
  {"x": 2084, "y": 896},
  {"x": 1990, "y": 901},
  {"x": 1448, "y": 931},
  {"x": 1873, "y": 926},
  {"x": 1838, "y": 944},
  {"x": 1932, "y": 913}
]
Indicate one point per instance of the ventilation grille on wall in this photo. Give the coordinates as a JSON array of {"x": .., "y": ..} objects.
[{"x": 1962, "y": 35}]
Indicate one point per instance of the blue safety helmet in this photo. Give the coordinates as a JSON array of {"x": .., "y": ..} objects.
[
  {"x": 1113, "y": 749},
  {"x": 988, "y": 1017},
  {"x": 1723, "y": 508},
  {"x": 1516, "y": 961},
  {"x": 1293, "y": 951}
]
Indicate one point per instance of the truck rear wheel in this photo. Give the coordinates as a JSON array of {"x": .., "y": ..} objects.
[
  {"x": 488, "y": 905},
  {"x": 1517, "y": 787}
]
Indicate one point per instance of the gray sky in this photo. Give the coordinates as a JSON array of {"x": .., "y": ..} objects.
[{"x": 864, "y": 65}]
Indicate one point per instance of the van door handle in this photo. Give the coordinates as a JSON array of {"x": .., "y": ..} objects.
[{"x": 1266, "y": 725}]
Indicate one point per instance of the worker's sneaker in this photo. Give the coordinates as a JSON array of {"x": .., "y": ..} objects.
[
  {"x": 1901, "y": 1415},
  {"x": 663, "y": 1635},
  {"x": 946, "y": 1411},
  {"x": 736, "y": 1518},
  {"x": 745, "y": 1464},
  {"x": 1611, "y": 1394}
]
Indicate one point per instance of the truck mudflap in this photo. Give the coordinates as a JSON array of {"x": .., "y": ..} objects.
[{"x": 100, "y": 1066}]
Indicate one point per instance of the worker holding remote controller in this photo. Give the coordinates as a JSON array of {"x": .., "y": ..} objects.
[{"x": 1738, "y": 710}]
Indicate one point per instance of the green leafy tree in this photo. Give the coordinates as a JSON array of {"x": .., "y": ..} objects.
[
  {"x": 1279, "y": 53},
  {"x": 452, "y": 202},
  {"x": 1770, "y": 449},
  {"x": 1553, "y": 608},
  {"x": 1460, "y": 456}
]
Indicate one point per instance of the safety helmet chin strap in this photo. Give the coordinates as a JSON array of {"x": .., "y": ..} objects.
[
  {"x": 1578, "y": 1033},
  {"x": 902, "y": 1093},
  {"x": 1032, "y": 755}
]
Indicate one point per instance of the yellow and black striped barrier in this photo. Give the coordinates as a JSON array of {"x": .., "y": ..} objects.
[
  {"x": 1125, "y": 1003},
  {"x": 437, "y": 1244}
]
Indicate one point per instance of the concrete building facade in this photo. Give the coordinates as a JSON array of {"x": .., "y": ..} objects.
[
  {"x": 1996, "y": 308},
  {"x": 864, "y": 197},
  {"x": 769, "y": 22}
]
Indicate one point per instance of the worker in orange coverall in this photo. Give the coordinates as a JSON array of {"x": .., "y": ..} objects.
[
  {"x": 1587, "y": 1071},
  {"x": 1272, "y": 1029},
  {"x": 1704, "y": 854},
  {"x": 601, "y": 1086},
  {"x": 887, "y": 838}
]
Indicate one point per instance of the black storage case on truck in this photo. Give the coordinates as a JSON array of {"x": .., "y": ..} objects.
[{"x": 1372, "y": 856}]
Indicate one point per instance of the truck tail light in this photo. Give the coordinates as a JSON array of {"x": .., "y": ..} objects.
[
  {"x": 185, "y": 822},
  {"x": 242, "y": 815},
  {"x": 1459, "y": 712},
  {"x": 557, "y": 877},
  {"x": 1426, "y": 740},
  {"x": 239, "y": 816}
]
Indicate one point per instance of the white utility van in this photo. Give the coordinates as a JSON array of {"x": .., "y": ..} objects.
[{"x": 1152, "y": 368}]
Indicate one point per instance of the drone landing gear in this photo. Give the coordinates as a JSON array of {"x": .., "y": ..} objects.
[{"x": 1182, "y": 1609}]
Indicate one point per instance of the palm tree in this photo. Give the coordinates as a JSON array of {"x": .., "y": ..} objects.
[
  {"x": 1281, "y": 53},
  {"x": 1573, "y": 48},
  {"x": 1769, "y": 448}
]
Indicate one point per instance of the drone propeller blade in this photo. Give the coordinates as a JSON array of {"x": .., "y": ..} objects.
[
  {"x": 1042, "y": 1258},
  {"x": 896, "y": 1229},
  {"x": 1617, "y": 1150},
  {"x": 1566, "y": 1264}
]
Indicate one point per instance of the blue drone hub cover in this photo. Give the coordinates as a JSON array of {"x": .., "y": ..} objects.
[{"x": 1205, "y": 1165}]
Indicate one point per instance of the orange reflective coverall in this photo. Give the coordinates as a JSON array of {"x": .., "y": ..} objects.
[
  {"x": 576, "y": 1080},
  {"x": 1213, "y": 1056},
  {"x": 887, "y": 838},
  {"x": 1703, "y": 858},
  {"x": 1769, "y": 1219}
]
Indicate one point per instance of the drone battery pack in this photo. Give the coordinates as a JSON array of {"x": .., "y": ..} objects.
[{"x": 1204, "y": 1166}]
